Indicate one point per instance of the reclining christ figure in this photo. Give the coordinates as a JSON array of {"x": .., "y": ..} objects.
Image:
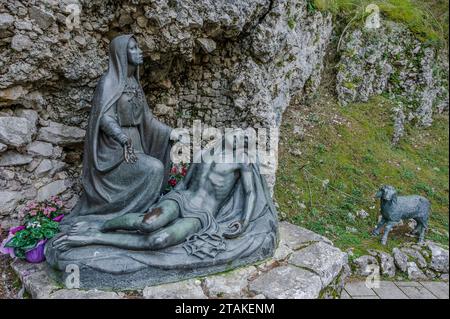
[{"x": 186, "y": 215}]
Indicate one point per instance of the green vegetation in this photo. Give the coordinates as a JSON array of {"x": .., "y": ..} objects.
[
  {"x": 427, "y": 19},
  {"x": 346, "y": 155}
]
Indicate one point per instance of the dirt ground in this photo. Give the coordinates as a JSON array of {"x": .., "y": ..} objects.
[{"x": 9, "y": 283}]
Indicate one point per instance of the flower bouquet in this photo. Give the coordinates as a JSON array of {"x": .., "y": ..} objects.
[
  {"x": 41, "y": 222},
  {"x": 176, "y": 174}
]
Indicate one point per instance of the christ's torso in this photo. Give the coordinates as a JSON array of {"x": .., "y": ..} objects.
[{"x": 211, "y": 185}]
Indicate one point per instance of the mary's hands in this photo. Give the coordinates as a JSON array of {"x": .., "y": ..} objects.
[{"x": 128, "y": 152}]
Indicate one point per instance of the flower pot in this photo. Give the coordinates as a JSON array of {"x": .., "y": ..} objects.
[{"x": 36, "y": 255}]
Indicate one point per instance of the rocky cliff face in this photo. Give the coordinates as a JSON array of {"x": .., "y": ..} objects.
[
  {"x": 391, "y": 60},
  {"x": 226, "y": 63}
]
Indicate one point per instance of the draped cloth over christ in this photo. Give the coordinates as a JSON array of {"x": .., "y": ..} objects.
[
  {"x": 208, "y": 242},
  {"x": 112, "y": 186},
  {"x": 114, "y": 265}
]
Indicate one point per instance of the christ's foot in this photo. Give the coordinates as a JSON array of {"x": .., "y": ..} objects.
[
  {"x": 79, "y": 227},
  {"x": 76, "y": 238}
]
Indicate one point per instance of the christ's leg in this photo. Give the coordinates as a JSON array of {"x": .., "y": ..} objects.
[
  {"x": 171, "y": 235},
  {"x": 164, "y": 213},
  {"x": 129, "y": 221},
  {"x": 174, "y": 234}
]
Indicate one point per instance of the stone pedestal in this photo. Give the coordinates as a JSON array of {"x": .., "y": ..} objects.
[{"x": 305, "y": 266}]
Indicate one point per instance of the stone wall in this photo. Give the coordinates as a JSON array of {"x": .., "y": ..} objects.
[{"x": 226, "y": 63}]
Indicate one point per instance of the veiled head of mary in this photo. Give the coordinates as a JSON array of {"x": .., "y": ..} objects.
[
  {"x": 134, "y": 53},
  {"x": 123, "y": 51},
  {"x": 124, "y": 56}
]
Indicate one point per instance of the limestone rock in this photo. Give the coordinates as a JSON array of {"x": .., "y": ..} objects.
[
  {"x": 40, "y": 148},
  {"x": 287, "y": 282},
  {"x": 9, "y": 200},
  {"x": 282, "y": 251},
  {"x": 296, "y": 237},
  {"x": 6, "y": 21},
  {"x": 37, "y": 282},
  {"x": 7, "y": 174},
  {"x": 439, "y": 258},
  {"x": 188, "y": 289},
  {"x": 12, "y": 94},
  {"x": 21, "y": 42},
  {"x": 30, "y": 115},
  {"x": 365, "y": 265},
  {"x": 3, "y": 147},
  {"x": 228, "y": 285},
  {"x": 362, "y": 214},
  {"x": 322, "y": 259},
  {"x": 416, "y": 256},
  {"x": 414, "y": 272},
  {"x": 52, "y": 189},
  {"x": 42, "y": 18},
  {"x": 15, "y": 131},
  {"x": 208, "y": 45},
  {"x": 44, "y": 167},
  {"x": 34, "y": 278},
  {"x": 387, "y": 264},
  {"x": 400, "y": 259},
  {"x": 12, "y": 158},
  {"x": 61, "y": 134}
]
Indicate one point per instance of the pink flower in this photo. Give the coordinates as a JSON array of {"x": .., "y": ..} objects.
[
  {"x": 58, "y": 218},
  {"x": 33, "y": 212},
  {"x": 45, "y": 211},
  {"x": 174, "y": 170},
  {"x": 31, "y": 205},
  {"x": 184, "y": 171}
]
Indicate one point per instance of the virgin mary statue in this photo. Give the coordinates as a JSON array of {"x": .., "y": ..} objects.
[{"x": 126, "y": 150}]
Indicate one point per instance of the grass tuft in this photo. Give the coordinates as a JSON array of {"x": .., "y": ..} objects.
[{"x": 428, "y": 20}]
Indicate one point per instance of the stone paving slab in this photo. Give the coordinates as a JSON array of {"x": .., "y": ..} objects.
[
  {"x": 439, "y": 289},
  {"x": 388, "y": 290},
  {"x": 397, "y": 290},
  {"x": 418, "y": 292},
  {"x": 407, "y": 283},
  {"x": 345, "y": 295},
  {"x": 356, "y": 289}
]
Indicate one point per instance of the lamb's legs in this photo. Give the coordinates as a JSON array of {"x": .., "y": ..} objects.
[
  {"x": 377, "y": 229},
  {"x": 417, "y": 229},
  {"x": 423, "y": 229},
  {"x": 387, "y": 229}
]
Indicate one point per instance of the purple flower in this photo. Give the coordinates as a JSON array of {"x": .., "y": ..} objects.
[
  {"x": 6, "y": 250},
  {"x": 14, "y": 230},
  {"x": 58, "y": 218}
]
